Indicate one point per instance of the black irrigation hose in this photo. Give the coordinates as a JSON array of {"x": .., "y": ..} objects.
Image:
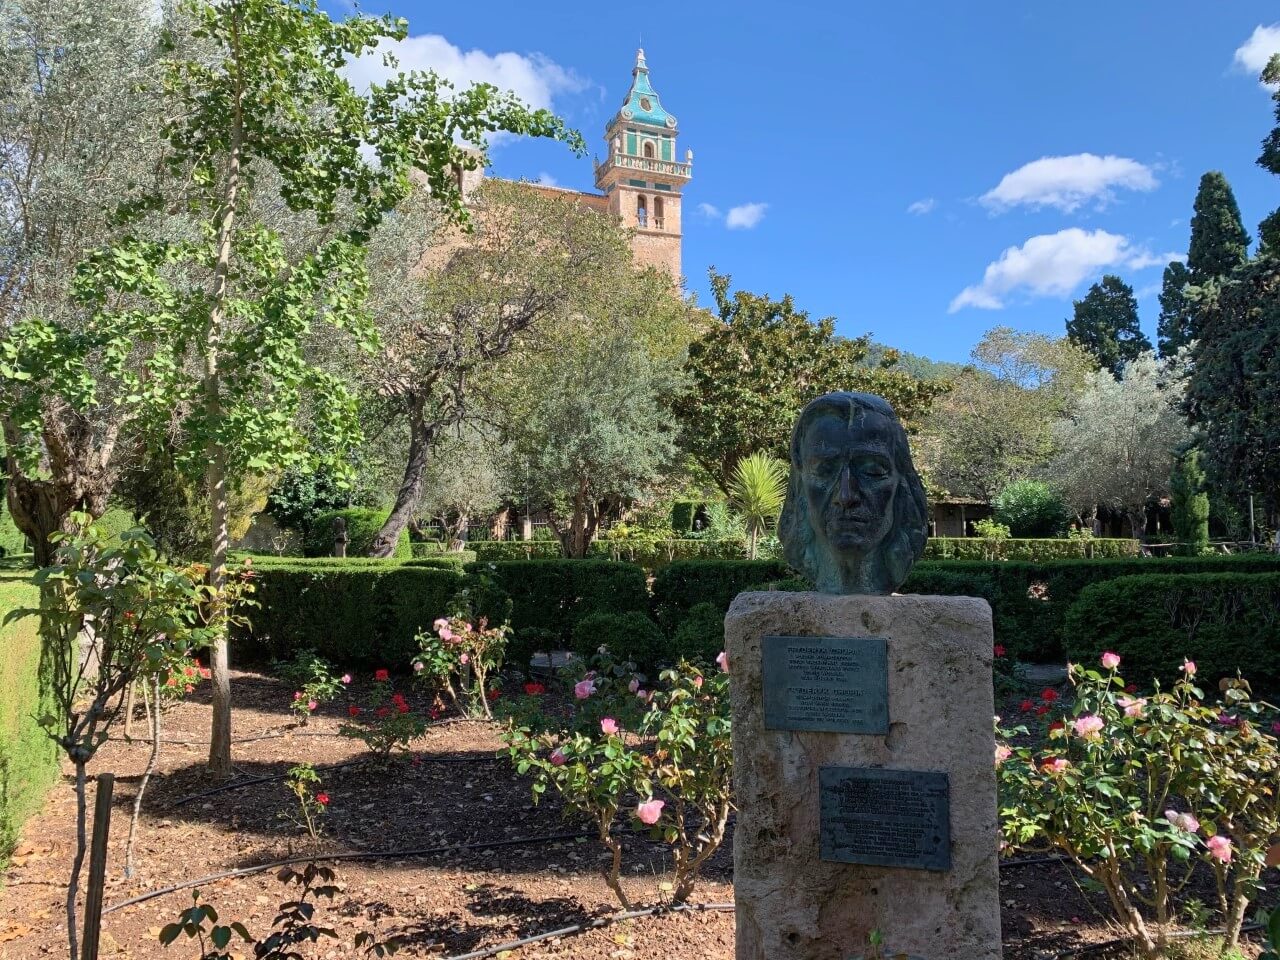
[
  {"x": 593, "y": 925},
  {"x": 346, "y": 855},
  {"x": 1032, "y": 861}
]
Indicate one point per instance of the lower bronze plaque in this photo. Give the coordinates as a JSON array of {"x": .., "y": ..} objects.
[
  {"x": 885, "y": 818},
  {"x": 826, "y": 684}
]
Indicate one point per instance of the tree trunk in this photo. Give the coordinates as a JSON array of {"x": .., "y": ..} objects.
[
  {"x": 216, "y": 464},
  {"x": 153, "y": 712},
  {"x": 73, "y": 884},
  {"x": 420, "y": 436}
]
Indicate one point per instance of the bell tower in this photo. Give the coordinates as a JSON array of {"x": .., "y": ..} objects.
[{"x": 641, "y": 176}]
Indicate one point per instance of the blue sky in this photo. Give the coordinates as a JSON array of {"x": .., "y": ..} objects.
[{"x": 922, "y": 172}]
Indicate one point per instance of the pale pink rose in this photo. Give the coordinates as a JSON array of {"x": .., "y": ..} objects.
[
  {"x": 1183, "y": 821},
  {"x": 311, "y": 704},
  {"x": 1189, "y": 667},
  {"x": 634, "y": 685},
  {"x": 418, "y": 666},
  {"x": 1219, "y": 848},
  {"x": 697, "y": 683},
  {"x": 1056, "y": 765},
  {"x": 346, "y": 678},
  {"x": 446, "y": 635},
  {"x": 441, "y": 624},
  {"x": 642, "y": 694},
  {"x": 1110, "y": 660},
  {"x": 1132, "y": 707},
  {"x": 557, "y": 758},
  {"x": 1088, "y": 726},
  {"x": 650, "y": 811},
  {"x": 464, "y": 658},
  {"x": 1003, "y": 753},
  {"x": 583, "y": 689},
  {"x": 609, "y": 726},
  {"x": 297, "y": 694},
  {"x": 722, "y": 661}
]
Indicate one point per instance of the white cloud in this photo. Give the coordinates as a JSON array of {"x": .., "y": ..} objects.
[
  {"x": 921, "y": 207},
  {"x": 1253, "y": 54},
  {"x": 534, "y": 78},
  {"x": 1053, "y": 264},
  {"x": 1150, "y": 290},
  {"x": 1069, "y": 182},
  {"x": 547, "y": 180},
  {"x": 708, "y": 210},
  {"x": 1146, "y": 259},
  {"x": 745, "y": 216}
]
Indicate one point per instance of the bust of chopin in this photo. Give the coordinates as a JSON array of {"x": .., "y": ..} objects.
[{"x": 855, "y": 517}]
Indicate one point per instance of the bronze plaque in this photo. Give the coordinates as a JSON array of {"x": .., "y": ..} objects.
[
  {"x": 885, "y": 818},
  {"x": 826, "y": 684}
]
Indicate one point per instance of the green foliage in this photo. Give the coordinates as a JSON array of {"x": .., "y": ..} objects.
[
  {"x": 12, "y": 540},
  {"x": 1105, "y": 324},
  {"x": 989, "y": 529},
  {"x": 363, "y": 525},
  {"x": 1055, "y": 548},
  {"x": 628, "y": 636},
  {"x": 757, "y": 489},
  {"x": 1174, "y": 330},
  {"x": 752, "y": 372},
  {"x": 658, "y": 553},
  {"x": 350, "y": 613},
  {"x": 1150, "y": 786},
  {"x": 313, "y": 679},
  {"x": 700, "y": 635},
  {"x": 300, "y": 495},
  {"x": 459, "y": 656},
  {"x": 28, "y": 758},
  {"x": 1189, "y": 505},
  {"x": 1225, "y": 622},
  {"x": 385, "y": 721},
  {"x": 1269, "y": 159},
  {"x": 683, "y": 513},
  {"x": 1030, "y": 508},
  {"x": 668, "y": 746},
  {"x": 553, "y": 595},
  {"x": 680, "y": 586},
  {"x": 433, "y": 550},
  {"x": 1219, "y": 241},
  {"x": 304, "y": 783}
]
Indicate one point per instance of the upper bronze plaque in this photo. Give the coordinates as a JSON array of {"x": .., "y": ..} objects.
[
  {"x": 826, "y": 684},
  {"x": 855, "y": 517}
]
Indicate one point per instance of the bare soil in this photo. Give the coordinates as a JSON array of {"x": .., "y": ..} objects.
[{"x": 456, "y": 790}]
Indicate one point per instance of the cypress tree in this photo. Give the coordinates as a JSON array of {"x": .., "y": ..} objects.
[
  {"x": 1269, "y": 235},
  {"x": 1174, "y": 331},
  {"x": 1105, "y": 324},
  {"x": 1219, "y": 241},
  {"x": 1189, "y": 504},
  {"x": 1270, "y": 156}
]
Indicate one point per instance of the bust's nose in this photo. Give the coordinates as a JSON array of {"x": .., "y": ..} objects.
[{"x": 848, "y": 493}]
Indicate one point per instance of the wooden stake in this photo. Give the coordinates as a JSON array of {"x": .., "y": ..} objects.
[{"x": 97, "y": 866}]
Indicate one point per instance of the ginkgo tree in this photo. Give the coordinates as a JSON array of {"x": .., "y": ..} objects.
[{"x": 203, "y": 313}]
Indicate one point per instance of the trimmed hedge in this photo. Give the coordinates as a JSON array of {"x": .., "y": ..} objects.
[
  {"x": 28, "y": 758},
  {"x": 680, "y": 586},
  {"x": 362, "y": 526},
  {"x": 430, "y": 549},
  {"x": 651, "y": 555},
  {"x": 629, "y": 636},
  {"x": 978, "y": 548},
  {"x": 551, "y": 596},
  {"x": 499, "y": 550},
  {"x": 361, "y": 613},
  {"x": 1225, "y": 622}
]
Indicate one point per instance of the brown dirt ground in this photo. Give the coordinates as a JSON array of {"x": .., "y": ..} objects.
[{"x": 453, "y": 789}]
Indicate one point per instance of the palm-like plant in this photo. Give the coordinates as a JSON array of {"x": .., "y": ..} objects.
[{"x": 757, "y": 490}]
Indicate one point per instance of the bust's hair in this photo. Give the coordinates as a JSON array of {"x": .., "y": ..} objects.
[{"x": 905, "y": 542}]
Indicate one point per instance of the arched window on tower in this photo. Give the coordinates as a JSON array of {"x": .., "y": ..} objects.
[
  {"x": 657, "y": 213},
  {"x": 642, "y": 212},
  {"x": 648, "y": 149}
]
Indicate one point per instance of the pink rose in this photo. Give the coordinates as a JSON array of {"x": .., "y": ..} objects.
[
  {"x": 722, "y": 661},
  {"x": 418, "y": 666},
  {"x": 1088, "y": 726},
  {"x": 697, "y": 683},
  {"x": 1003, "y": 753},
  {"x": 1132, "y": 707},
  {"x": 1219, "y": 848},
  {"x": 346, "y": 678},
  {"x": 446, "y": 635},
  {"x": 583, "y": 689},
  {"x": 634, "y": 685},
  {"x": 311, "y": 704},
  {"x": 297, "y": 694},
  {"x": 557, "y": 758},
  {"x": 609, "y": 726},
  {"x": 1183, "y": 821},
  {"x": 1056, "y": 765},
  {"x": 464, "y": 658},
  {"x": 1110, "y": 660},
  {"x": 441, "y": 624},
  {"x": 642, "y": 694},
  {"x": 1188, "y": 667},
  {"x": 650, "y": 811}
]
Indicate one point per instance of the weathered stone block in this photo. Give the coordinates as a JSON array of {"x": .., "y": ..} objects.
[{"x": 792, "y": 904}]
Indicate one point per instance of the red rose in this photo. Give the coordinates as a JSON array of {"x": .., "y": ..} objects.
[
  {"x": 1048, "y": 694},
  {"x": 322, "y": 799},
  {"x": 1057, "y": 725},
  {"x": 382, "y": 712},
  {"x": 1026, "y": 706},
  {"x": 402, "y": 707},
  {"x": 1042, "y": 709},
  {"x": 1131, "y": 688},
  {"x": 382, "y": 675},
  {"x": 353, "y": 710},
  {"x": 534, "y": 689},
  {"x": 999, "y": 650},
  {"x": 494, "y": 694},
  {"x": 205, "y": 673}
]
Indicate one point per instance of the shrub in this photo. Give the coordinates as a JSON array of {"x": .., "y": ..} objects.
[
  {"x": 1024, "y": 548},
  {"x": 932, "y": 581},
  {"x": 499, "y": 550},
  {"x": 432, "y": 550},
  {"x": 386, "y": 721},
  {"x": 12, "y": 540},
  {"x": 1225, "y": 622},
  {"x": 459, "y": 656},
  {"x": 629, "y": 636},
  {"x": 362, "y": 526},
  {"x": 700, "y": 635},
  {"x": 1030, "y": 508},
  {"x": 444, "y": 561},
  {"x": 683, "y": 513},
  {"x": 553, "y": 595},
  {"x": 353, "y": 613},
  {"x": 680, "y": 586}
]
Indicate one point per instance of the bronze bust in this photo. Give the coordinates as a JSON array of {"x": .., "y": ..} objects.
[{"x": 855, "y": 517}]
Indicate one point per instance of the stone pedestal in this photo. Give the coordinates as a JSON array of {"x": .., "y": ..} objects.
[{"x": 791, "y": 903}]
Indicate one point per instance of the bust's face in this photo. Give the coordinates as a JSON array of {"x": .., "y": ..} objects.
[{"x": 849, "y": 482}]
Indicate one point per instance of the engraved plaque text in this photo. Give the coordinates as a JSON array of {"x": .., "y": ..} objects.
[
  {"x": 885, "y": 818},
  {"x": 826, "y": 684}
]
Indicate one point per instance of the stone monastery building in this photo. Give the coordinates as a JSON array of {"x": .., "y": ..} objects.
[{"x": 640, "y": 180}]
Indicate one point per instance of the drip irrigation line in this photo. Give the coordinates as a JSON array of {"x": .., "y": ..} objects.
[
  {"x": 1128, "y": 941},
  {"x": 279, "y": 735},
  {"x": 593, "y": 925},
  {"x": 347, "y": 855},
  {"x": 1032, "y": 861}
]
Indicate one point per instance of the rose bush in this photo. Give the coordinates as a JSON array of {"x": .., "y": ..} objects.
[
  {"x": 386, "y": 721},
  {"x": 1141, "y": 792},
  {"x": 659, "y": 752},
  {"x": 458, "y": 657}
]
